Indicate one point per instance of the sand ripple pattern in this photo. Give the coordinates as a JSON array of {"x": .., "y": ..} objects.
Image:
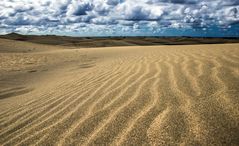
[{"x": 174, "y": 95}]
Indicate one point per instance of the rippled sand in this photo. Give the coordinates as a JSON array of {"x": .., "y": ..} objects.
[{"x": 146, "y": 95}]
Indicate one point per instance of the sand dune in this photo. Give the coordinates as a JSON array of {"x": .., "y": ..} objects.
[
  {"x": 136, "y": 95},
  {"x": 92, "y": 42}
]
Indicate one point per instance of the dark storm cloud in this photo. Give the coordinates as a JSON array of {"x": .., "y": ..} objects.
[
  {"x": 80, "y": 9},
  {"x": 114, "y": 2}
]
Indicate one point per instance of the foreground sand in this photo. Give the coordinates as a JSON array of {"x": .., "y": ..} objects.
[{"x": 155, "y": 95}]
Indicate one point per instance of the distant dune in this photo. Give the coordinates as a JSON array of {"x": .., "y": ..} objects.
[
  {"x": 131, "y": 95},
  {"x": 116, "y": 41}
]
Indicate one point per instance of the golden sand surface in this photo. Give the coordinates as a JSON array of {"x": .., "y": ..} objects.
[{"x": 135, "y": 95}]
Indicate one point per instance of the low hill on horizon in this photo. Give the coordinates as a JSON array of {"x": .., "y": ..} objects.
[{"x": 115, "y": 41}]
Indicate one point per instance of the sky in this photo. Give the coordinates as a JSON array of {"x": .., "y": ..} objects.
[{"x": 204, "y": 18}]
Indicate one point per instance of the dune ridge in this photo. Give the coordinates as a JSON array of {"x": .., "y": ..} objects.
[{"x": 137, "y": 95}]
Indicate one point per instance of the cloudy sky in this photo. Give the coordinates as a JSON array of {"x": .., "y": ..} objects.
[{"x": 121, "y": 17}]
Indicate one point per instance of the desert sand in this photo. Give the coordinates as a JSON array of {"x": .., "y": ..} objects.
[{"x": 130, "y": 95}]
